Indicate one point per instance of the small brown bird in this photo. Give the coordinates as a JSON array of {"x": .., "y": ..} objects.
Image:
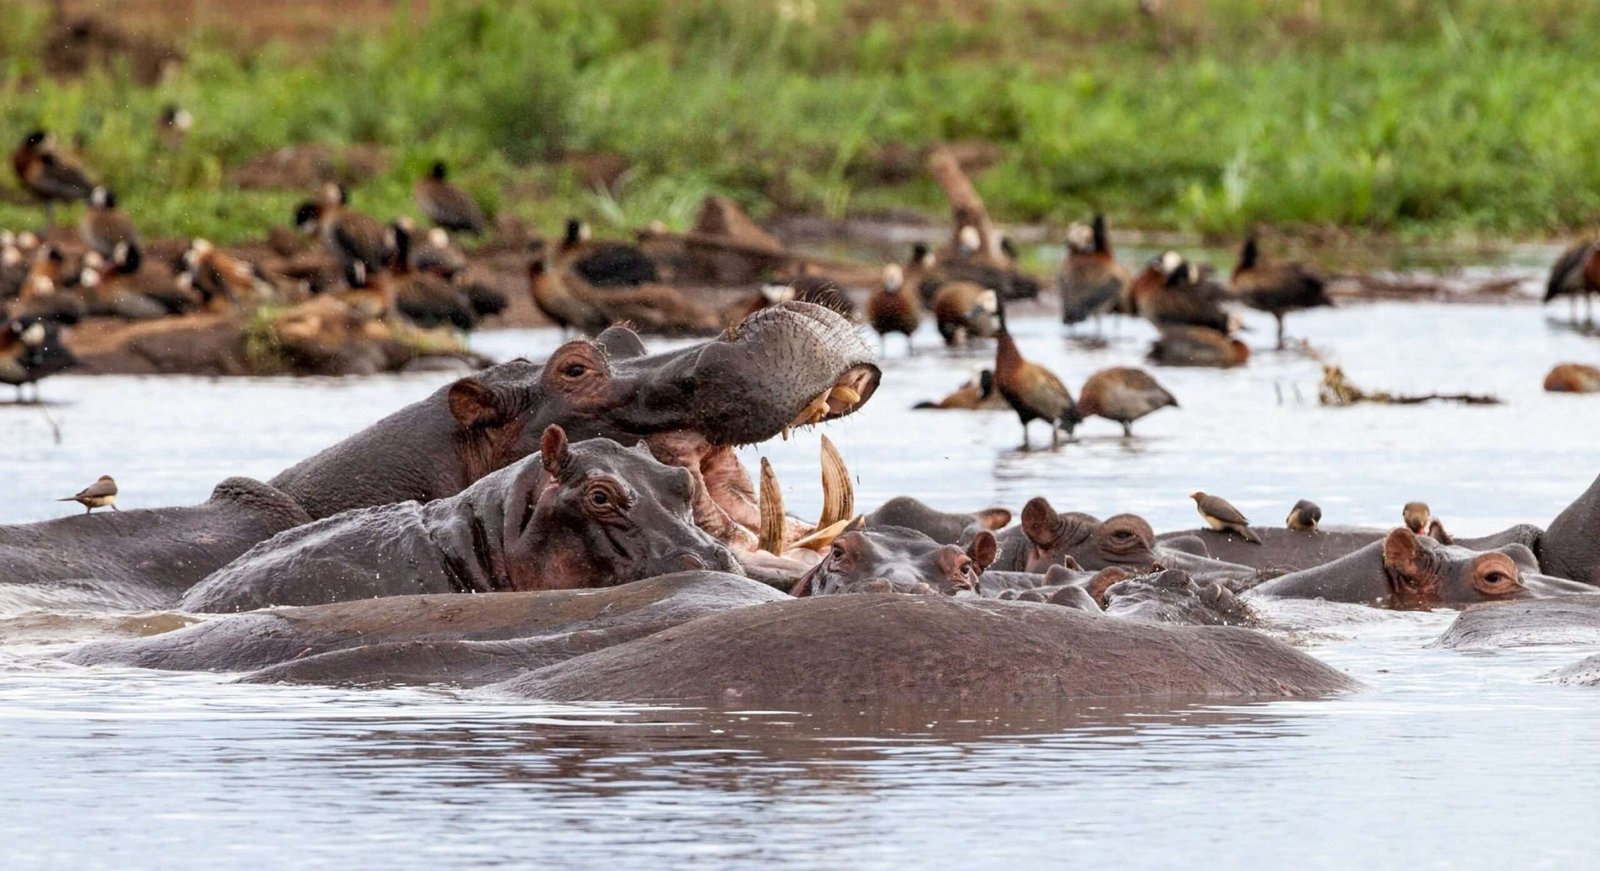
[
  {"x": 48, "y": 174},
  {"x": 1420, "y": 520},
  {"x": 101, "y": 494},
  {"x": 978, "y": 393},
  {"x": 1223, "y": 517},
  {"x": 894, "y": 307},
  {"x": 447, "y": 205},
  {"x": 104, "y": 226},
  {"x": 1277, "y": 288},
  {"x": 965, "y": 310},
  {"x": 1304, "y": 516},
  {"x": 1576, "y": 273},
  {"x": 1123, "y": 394},
  {"x": 1032, "y": 391},
  {"x": 1091, "y": 281}
]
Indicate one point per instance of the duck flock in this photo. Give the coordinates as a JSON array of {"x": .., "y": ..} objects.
[{"x": 336, "y": 276}]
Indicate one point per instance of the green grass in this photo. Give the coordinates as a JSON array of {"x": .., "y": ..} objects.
[{"x": 1419, "y": 118}]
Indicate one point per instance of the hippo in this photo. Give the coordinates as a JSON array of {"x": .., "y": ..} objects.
[
  {"x": 1406, "y": 570},
  {"x": 1288, "y": 550},
  {"x": 896, "y": 559},
  {"x": 937, "y": 651},
  {"x": 1570, "y": 546},
  {"x": 144, "y": 558},
  {"x": 711, "y": 637},
  {"x": 788, "y": 364},
  {"x": 465, "y": 640},
  {"x": 1162, "y": 596},
  {"x": 941, "y": 526},
  {"x": 1564, "y": 620},
  {"x": 587, "y": 514}
]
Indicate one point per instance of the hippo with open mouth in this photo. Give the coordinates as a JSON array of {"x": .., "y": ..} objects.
[
  {"x": 588, "y": 514},
  {"x": 787, "y": 365}
]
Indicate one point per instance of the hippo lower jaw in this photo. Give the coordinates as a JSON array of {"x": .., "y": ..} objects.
[{"x": 756, "y": 529}]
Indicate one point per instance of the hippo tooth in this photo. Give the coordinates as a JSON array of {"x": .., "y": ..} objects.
[
  {"x": 849, "y": 395},
  {"x": 770, "y": 505},
  {"x": 823, "y": 536},
  {"x": 838, "y": 495}
]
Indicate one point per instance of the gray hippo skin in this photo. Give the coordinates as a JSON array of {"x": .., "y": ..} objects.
[
  {"x": 1564, "y": 620},
  {"x": 942, "y": 526},
  {"x": 1288, "y": 550},
  {"x": 589, "y": 514},
  {"x": 463, "y": 640},
  {"x": 887, "y": 649},
  {"x": 145, "y": 558},
  {"x": 1570, "y": 546},
  {"x": 892, "y": 559},
  {"x": 1406, "y": 570},
  {"x": 691, "y": 406},
  {"x": 1049, "y": 538}
]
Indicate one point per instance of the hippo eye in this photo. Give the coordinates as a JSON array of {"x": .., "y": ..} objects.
[
  {"x": 603, "y": 498},
  {"x": 574, "y": 370}
]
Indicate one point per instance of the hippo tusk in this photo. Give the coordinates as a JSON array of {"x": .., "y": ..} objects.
[
  {"x": 838, "y": 494},
  {"x": 824, "y": 536},
  {"x": 849, "y": 395},
  {"x": 770, "y": 505}
]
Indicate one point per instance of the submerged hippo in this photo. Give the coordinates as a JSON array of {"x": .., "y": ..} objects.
[
  {"x": 1563, "y": 620},
  {"x": 787, "y": 364},
  {"x": 941, "y": 526},
  {"x": 703, "y": 636},
  {"x": 893, "y": 559},
  {"x": 1406, "y": 570},
  {"x": 588, "y": 514},
  {"x": 933, "y": 650}
]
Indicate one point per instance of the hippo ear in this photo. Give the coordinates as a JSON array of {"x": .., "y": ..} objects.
[
  {"x": 994, "y": 518},
  {"x": 553, "y": 451},
  {"x": 1040, "y": 522},
  {"x": 983, "y": 550},
  {"x": 1405, "y": 561},
  {"x": 474, "y": 405}
]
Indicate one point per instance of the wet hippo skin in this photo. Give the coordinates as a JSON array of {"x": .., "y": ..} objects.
[
  {"x": 896, "y": 649},
  {"x": 589, "y": 514}
]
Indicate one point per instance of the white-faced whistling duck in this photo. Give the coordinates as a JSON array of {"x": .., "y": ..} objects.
[
  {"x": 603, "y": 263},
  {"x": 1576, "y": 273},
  {"x": 1123, "y": 394},
  {"x": 1276, "y": 288},
  {"x": 1032, "y": 391},
  {"x": 965, "y": 310},
  {"x": 30, "y": 351},
  {"x": 426, "y": 299},
  {"x": 447, "y": 205},
  {"x": 1170, "y": 291},
  {"x": 104, "y": 225},
  {"x": 1091, "y": 281},
  {"x": 346, "y": 233},
  {"x": 1198, "y": 346},
  {"x": 978, "y": 392},
  {"x": 48, "y": 174},
  {"x": 567, "y": 308},
  {"x": 894, "y": 307}
]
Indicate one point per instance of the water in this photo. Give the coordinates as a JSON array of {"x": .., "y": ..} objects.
[{"x": 1447, "y": 759}]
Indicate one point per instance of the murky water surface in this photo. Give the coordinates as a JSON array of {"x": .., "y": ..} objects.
[{"x": 1445, "y": 760}]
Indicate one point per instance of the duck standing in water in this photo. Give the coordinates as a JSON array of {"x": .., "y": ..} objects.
[
  {"x": 1276, "y": 288},
  {"x": 894, "y": 308},
  {"x": 1091, "y": 281},
  {"x": 1123, "y": 394},
  {"x": 1576, "y": 273},
  {"x": 1032, "y": 391}
]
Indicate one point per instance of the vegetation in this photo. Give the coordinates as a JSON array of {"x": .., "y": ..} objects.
[{"x": 1414, "y": 117}]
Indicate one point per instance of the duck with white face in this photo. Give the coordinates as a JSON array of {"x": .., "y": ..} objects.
[{"x": 31, "y": 351}]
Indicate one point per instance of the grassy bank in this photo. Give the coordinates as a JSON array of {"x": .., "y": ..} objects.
[{"x": 1414, "y": 117}]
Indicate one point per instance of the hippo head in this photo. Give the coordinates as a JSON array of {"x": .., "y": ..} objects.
[
  {"x": 1121, "y": 540},
  {"x": 1422, "y": 573},
  {"x": 892, "y": 559},
  {"x": 790, "y": 364},
  {"x": 594, "y": 514},
  {"x": 1171, "y": 596}
]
